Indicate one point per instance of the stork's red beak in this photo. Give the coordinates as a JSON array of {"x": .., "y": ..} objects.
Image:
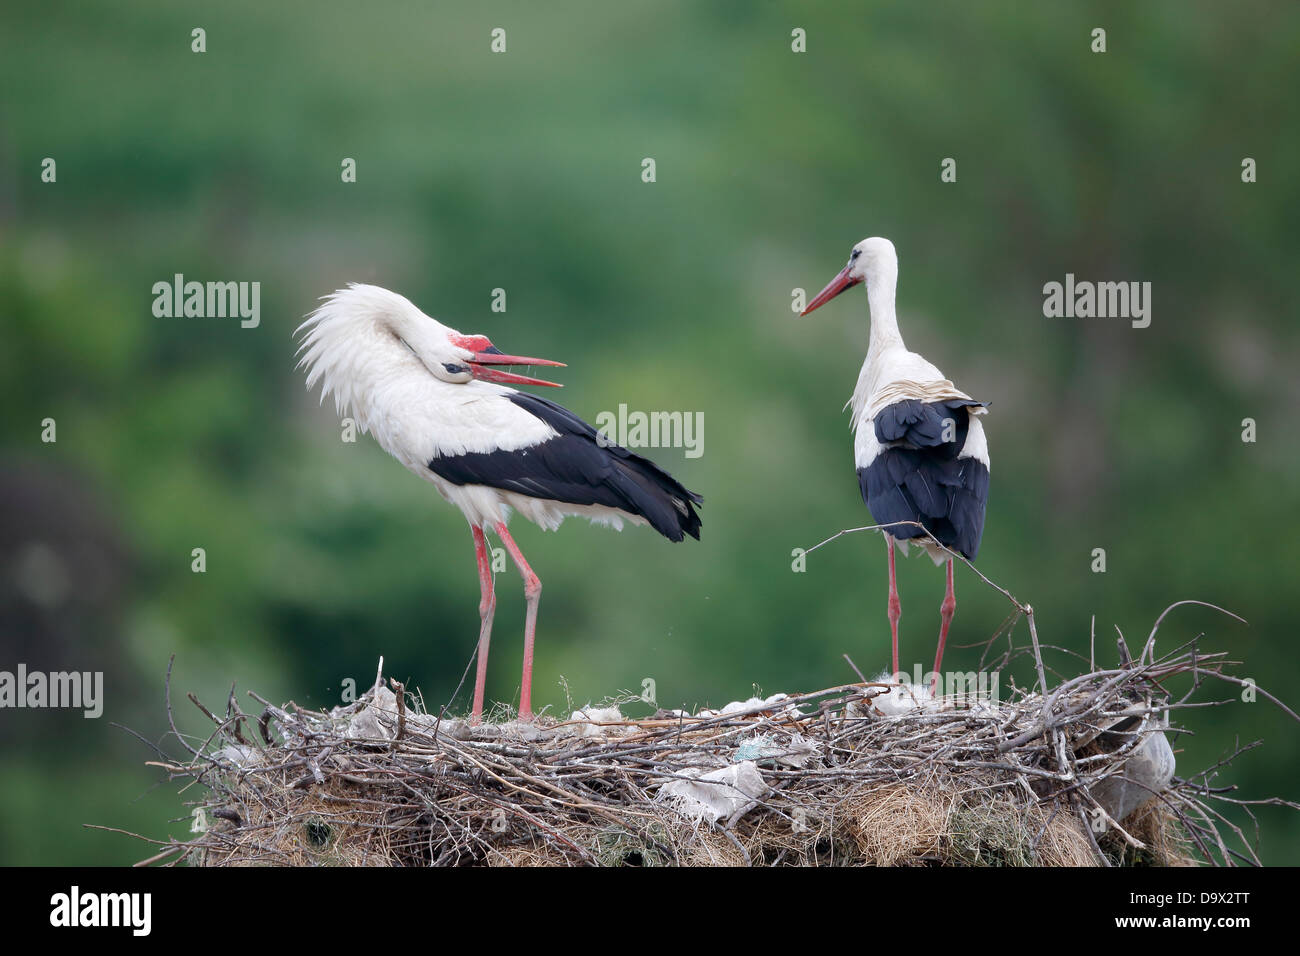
[
  {"x": 494, "y": 356},
  {"x": 835, "y": 287},
  {"x": 486, "y": 354}
]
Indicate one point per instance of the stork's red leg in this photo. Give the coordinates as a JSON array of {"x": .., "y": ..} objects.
[
  {"x": 895, "y": 607},
  {"x": 486, "y": 608},
  {"x": 532, "y": 594},
  {"x": 946, "y": 610}
]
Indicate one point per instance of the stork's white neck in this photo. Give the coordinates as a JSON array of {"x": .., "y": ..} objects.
[
  {"x": 882, "y": 278},
  {"x": 881, "y": 284}
]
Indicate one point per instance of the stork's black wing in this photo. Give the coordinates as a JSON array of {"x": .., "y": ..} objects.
[
  {"x": 577, "y": 466},
  {"x": 918, "y": 476}
]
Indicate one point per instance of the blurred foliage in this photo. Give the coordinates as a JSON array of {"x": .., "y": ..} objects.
[{"x": 522, "y": 170}]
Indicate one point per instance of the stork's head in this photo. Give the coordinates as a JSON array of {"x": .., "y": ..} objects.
[
  {"x": 363, "y": 336},
  {"x": 872, "y": 260}
]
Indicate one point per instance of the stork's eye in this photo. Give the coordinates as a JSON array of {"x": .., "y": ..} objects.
[
  {"x": 856, "y": 253},
  {"x": 455, "y": 369}
]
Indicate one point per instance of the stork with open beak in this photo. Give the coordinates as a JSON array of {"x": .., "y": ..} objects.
[
  {"x": 438, "y": 402},
  {"x": 919, "y": 447}
]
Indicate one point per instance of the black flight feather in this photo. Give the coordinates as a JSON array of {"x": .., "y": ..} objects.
[
  {"x": 917, "y": 476},
  {"x": 578, "y": 467}
]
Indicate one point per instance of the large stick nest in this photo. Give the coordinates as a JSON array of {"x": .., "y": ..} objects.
[{"x": 850, "y": 775}]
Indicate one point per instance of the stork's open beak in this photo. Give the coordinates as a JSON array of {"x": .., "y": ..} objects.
[
  {"x": 835, "y": 287},
  {"x": 487, "y": 354},
  {"x": 494, "y": 356}
]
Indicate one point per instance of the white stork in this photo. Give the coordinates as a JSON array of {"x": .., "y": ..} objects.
[
  {"x": 919, "y": 446},
  {"x": 427, "y": 394}
]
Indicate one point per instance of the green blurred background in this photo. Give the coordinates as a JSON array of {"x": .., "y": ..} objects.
[{"x": 522, "y": 170}]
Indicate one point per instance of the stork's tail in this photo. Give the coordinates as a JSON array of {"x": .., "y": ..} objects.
[{"x": 657, "y": 496}]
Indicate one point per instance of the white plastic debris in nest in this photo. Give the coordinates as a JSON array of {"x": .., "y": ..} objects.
[
  {"x": 522, "y": 730},
  {"x": 796, "y": 752},
  {"x": 597, "y": 722},
  {"x": 754, "y": 706},
  {"x": 762, "y": 704},
  {"x": 727, "y": 793},
  {"x": 378, "y": 719},
  {"x": 241, "y": 755},
  {"x": 904, "y": 697},
  {"x": 1145, "y": 774}
]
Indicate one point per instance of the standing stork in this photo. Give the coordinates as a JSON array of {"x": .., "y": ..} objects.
[
  {"x": 431, "y": 399},
  {"x": 919, "y": 446}
]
